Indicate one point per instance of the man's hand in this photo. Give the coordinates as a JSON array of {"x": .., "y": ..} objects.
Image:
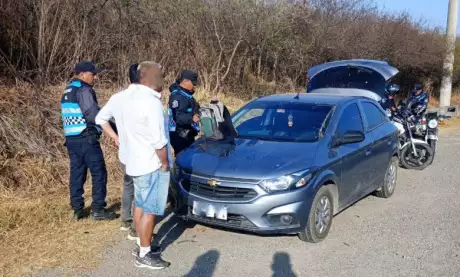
[
  {"x": 196, "y": 118},
  {"x": 108, "y": 129},
  {"x": 163, "y": 156},
  {"x": 165, "y": 167}
]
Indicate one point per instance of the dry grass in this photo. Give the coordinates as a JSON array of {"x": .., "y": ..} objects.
[
  {"x": 35, "y": 217},
  {"x": 455, "y": 99},
  {"x": 35, "y": 227}
]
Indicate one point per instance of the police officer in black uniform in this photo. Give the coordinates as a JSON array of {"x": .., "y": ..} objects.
[
  {"x": 183, "y": 111},
  {"x": 79, "y": 108}
]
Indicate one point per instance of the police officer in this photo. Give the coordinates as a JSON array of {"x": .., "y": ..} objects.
[
  {"x": 388, "y": 104},
  {"x": 79, "y": 109},
  {"x": 417, "y": 102},
  {"x": 183, "y": 111}
]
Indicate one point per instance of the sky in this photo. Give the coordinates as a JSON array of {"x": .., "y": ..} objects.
[{"x": 433, "y": 11}]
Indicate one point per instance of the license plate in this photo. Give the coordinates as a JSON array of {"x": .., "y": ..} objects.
[{"x": 203, "y": 209}]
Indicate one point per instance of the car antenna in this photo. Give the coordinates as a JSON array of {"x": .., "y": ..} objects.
[{"x": 297, "y": 96}]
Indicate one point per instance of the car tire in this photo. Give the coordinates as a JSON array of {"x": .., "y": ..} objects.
[
  {"x": 390, "y": 180},
  {"x": 321, "y": 209}
]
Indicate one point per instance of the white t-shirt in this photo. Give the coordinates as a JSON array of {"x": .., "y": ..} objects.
[{"x": 141, "y": 125}]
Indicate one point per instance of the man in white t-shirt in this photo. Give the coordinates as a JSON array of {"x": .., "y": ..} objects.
[
  {"x": 144, "y": 149},
  {"x": 111, "y": 110}
]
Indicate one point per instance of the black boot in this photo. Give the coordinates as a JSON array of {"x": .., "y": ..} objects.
[
  {"x": 77, "y": 215},
  {"x": 102, "y": 215}
]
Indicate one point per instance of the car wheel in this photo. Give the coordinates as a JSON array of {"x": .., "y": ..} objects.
[
  {"x": 320, "y": 218},
  {"x": 390, "y": 180}
]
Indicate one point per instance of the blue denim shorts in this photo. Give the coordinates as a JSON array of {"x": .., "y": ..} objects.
[{"x": 151, "y": 192}]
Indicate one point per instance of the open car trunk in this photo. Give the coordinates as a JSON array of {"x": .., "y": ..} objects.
[{"x": 366, "y": 75}]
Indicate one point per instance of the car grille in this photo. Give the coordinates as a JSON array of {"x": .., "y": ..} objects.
[
  {"x": 233, "y": 221},
  {"x": 221, "y": 193}
]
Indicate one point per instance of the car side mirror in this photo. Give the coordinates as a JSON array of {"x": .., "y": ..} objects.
[{"x": 349, "y": 137}]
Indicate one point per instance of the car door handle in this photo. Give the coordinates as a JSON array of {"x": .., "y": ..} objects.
[
  {"x": 389, "y": 142},
  {"x": 368, "y": 152}
]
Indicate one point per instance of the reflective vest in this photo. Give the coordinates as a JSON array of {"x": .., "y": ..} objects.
[
  {"x": 73, "y": 120},
  {"x": 172, "y": 122}
]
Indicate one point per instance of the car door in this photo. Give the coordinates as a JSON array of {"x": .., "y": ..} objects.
[
  {"x": 356, "y": 165},
  {"x": 375, "y": 119}
]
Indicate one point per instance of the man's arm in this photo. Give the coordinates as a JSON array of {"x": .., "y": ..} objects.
[
  {"x": 88, "y": 104},
  {"x": 156, "y": 124},
  {"x": 103, "y": 119},
  {"x": 163, "y": 156},
  {"x": 421, "y": 108}
]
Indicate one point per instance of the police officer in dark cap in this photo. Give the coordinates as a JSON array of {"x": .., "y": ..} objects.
[
  {"x": 417, "y": 102},
  {"x": 79, "y": 108},
  {"x": 183, "y": 111}
]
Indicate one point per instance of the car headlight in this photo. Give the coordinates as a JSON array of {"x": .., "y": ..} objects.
[
  {"x": 285, "y": 182},
  {"x": 433, "y": 123}
]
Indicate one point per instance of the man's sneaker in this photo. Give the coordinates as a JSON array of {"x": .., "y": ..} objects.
[
  {"x": 126, "y": 225},
  {"x": 103, "y": 215},
  {"x": 132, "y": 234},
  {"x": 151, "y": 261},
  {"x": 154, "y": 248},
  {"x": 77, "y": 215}
]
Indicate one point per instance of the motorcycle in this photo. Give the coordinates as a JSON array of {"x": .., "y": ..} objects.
[
  {"x": 431, "y": 133},
  {"x": 415, "y": 139}
]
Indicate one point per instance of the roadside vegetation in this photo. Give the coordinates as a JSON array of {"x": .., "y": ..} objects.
[{"x": 242, "y": 49}]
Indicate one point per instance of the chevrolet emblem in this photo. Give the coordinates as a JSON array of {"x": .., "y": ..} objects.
[{"x": 213, "y": 182}]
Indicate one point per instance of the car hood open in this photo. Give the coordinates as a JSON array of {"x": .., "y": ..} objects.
[{"x": 247, "y": 159}]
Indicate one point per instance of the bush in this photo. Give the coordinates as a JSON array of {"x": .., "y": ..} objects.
[{"x": 235, "y": 44}]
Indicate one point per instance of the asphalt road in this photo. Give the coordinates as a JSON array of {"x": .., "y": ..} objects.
[{"x": 414, "y": 233}]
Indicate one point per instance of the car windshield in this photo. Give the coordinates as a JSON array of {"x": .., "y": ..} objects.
[
  {"x": 295, "y": 122},
  {"x": 349, "y": 77}
]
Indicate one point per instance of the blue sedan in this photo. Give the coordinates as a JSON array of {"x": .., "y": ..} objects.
[{"x": 298, "y": 160}]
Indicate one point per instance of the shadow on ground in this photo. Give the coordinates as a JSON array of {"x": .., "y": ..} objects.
[
  {"x": 170, "y": 230},
  {"x": 282, "y": 266},
  {"x": 205, "y": 265}
]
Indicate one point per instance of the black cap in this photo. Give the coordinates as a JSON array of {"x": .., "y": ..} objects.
[
  {"x": 189, "y": 75},
  {"x": 86, "y": 66},
  {"x": 133, "y": 77},
  {"x": 418, "y": 87}
]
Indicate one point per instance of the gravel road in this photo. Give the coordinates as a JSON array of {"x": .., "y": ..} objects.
[{"x": 414, "y": 233}]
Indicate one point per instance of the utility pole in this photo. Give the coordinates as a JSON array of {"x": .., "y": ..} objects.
[{"x": 448, "y": 67}]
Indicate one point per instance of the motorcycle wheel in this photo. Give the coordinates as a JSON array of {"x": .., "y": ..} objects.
[
  {"x": 433, "y": 144},
  {"x": 424, "y": 157}
]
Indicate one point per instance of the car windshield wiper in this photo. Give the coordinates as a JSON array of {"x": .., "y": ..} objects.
[{"x": 259, "y": 138}]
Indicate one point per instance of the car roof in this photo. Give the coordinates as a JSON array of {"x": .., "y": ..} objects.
[
  {"x": 382, "y": 67},
  {"x": 315, "y": 98}
]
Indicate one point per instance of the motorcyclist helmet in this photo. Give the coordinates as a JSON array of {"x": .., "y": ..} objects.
[{"x": 392, "y": 89}]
